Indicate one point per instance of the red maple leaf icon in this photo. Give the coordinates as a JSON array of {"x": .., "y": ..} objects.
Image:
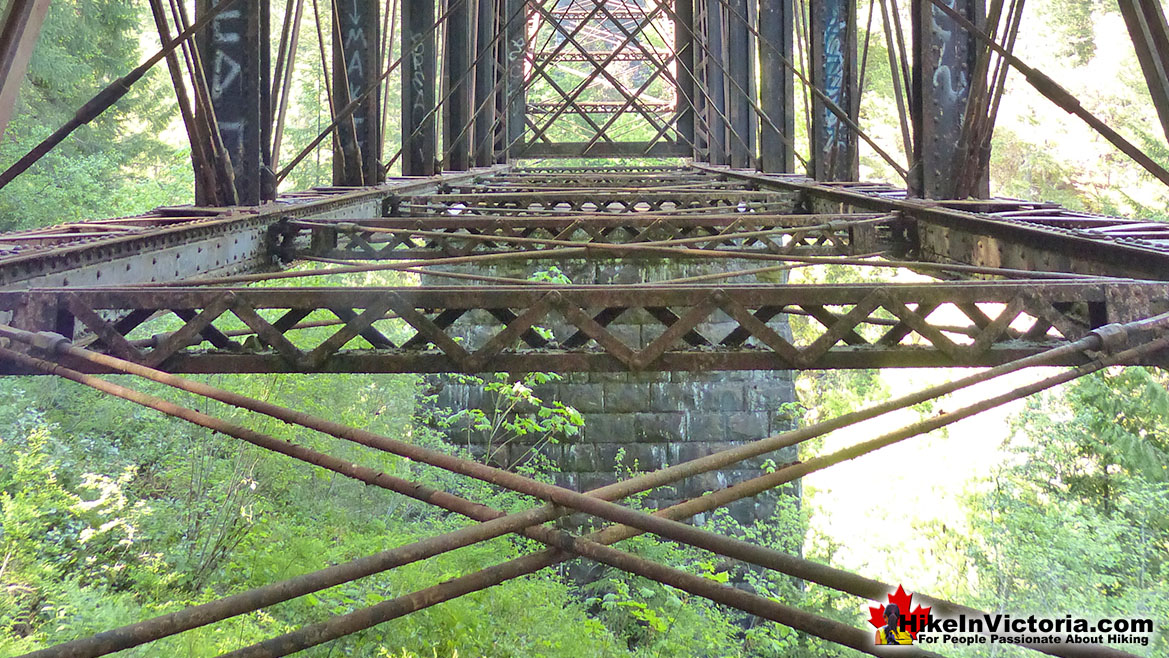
[{"x": 903, "y": 601}]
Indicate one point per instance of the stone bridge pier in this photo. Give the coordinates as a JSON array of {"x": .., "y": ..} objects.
[{"x": 640, "y": 421}]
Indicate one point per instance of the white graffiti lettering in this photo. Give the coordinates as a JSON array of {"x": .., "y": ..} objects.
[
  {"x": 218, "y": 35},
  {"x": 418, "y": 80},
  {"x": 225, "y": 71}
]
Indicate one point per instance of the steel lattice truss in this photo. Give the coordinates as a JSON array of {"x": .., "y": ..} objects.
[
  {"x": 601, "y": 73},
  {"x": 688, "y": 325}
]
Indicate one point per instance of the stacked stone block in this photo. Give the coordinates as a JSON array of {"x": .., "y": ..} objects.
[{"x": 647, "y": 420}]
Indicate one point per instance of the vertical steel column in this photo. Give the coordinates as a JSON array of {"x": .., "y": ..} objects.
[
  {"x": 267, "y": 119},
  {"x": 833, "y": 54},
  {"x": 513, "y": 57},
  {"x": 418, "y": 78},
  {"x": 19, "y": 29},
  {"x": 456, "y": 115},
  {"x": 776, "y": 86},
  {"x": 357, "y": 69},
  {"x": 741, "y": 85},
  {"x": 1150, "y": 36},
  {"x": 684, "y": 31},
  {"x": 484, "y": 145},
  {"x": 716, "y": 83},
  {"x": 943, "y": 62},
  {"x": 233, "y": 55}
]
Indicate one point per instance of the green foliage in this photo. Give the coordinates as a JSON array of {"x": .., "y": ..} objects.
[
  {"x": 657, "y": 620},
  {"x": 1070, "y": 24},
  {"x": 115, "y": 165},
  {"x": 1034, "y": 172},
  {"x": 511, "y": 411},
  {"x": 88, "y": 542},
  {"x": 1075, "y": 519}
]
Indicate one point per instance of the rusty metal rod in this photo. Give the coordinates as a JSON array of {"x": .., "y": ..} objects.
[
  {"x": 362, "y": 619},
  {"x": 835, "y": 578},
  {"x": 665, "y": 251},
  {"x": 130, "y": 636},
  {"x": 1030, "y": 361},
  {"x": 353, "y": 622},
  {"x": 137, "y": 634},
  {"x": 766, "y": 608},
  {"x": 149, "y": 630}
]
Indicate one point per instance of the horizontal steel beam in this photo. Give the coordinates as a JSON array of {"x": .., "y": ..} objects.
[
  {"x": 629, "y": 200},
  {"x": 641, "y": 55},
  {"x": 996, "y": 232},
  {"x": 597, "y": 107},
  {"x": 583, "y": 328},
  {"x": 438, "y": 236},
  {"x": 171, "y": 244},
  {"x": 659, "y": 149}
]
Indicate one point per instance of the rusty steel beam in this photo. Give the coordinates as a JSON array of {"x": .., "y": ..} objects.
[
  {"x": 20, "y": 26},
  {"x": 488, "y": 82},
  {"x": 182, "y": 242},
  {"x": 833, "y": 37},
  {"x": 776, "y": 86},
  {"x": 513, "y": 97},
  {"x": 489, "y": 328},
  {"x": 715, "y": 84},
  {"x": 234, "y": 49},
  {"x": 685, "y": 58},
  {"x": 419, "y": 71},
  {"x": 438, "y": 236},
  {"x": 626, "y": 200},
  {"x": 943, "y": 71},
  {"x": 1145, "y": 20},
  {"x": 458, "y": 84},
  {"x": 356, "y": 68},
  {"x": 996, "y": 232}
]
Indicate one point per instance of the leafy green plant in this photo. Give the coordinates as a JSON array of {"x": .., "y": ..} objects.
[{"x": 511, "y": 412}]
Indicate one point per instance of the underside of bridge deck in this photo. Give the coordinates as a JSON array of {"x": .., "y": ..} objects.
[{"x": 997, "y": 296}]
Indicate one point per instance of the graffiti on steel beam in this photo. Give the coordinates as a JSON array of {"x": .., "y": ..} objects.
[
  {"x": 356, "y": 45},
  {"x": 418, "y": 80},
  {"x": 951, "y": 78},
  {"x": 227, "y": 39},
  {"x": 835, "y": 33}
]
